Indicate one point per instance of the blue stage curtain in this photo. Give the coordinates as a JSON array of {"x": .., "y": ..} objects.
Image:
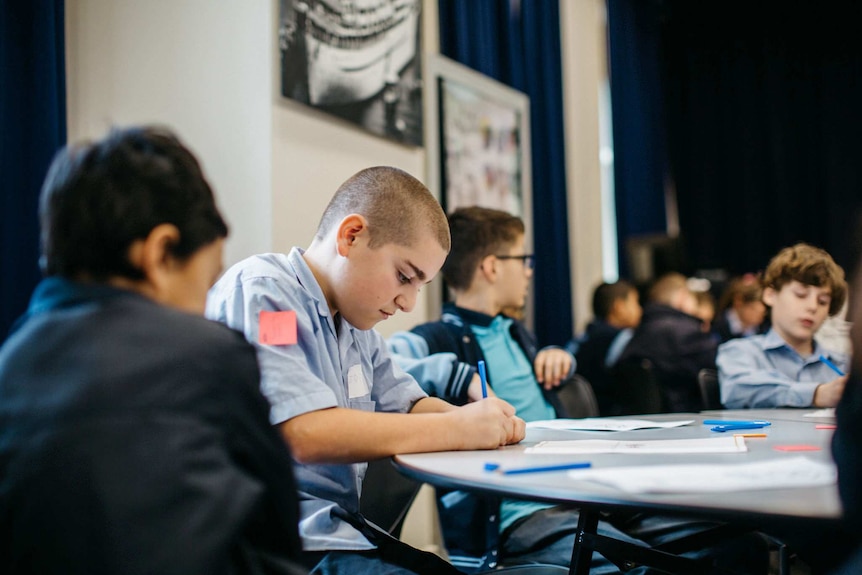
[
  {"x": 518, "y": 44},
  {"x": 640, "y": 164},
  {"x": 32, "y": 129}
]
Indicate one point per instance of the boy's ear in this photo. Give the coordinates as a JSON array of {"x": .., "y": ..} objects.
[
  {"x": 352, "y": 228},
  {"x": 488, "y": 268},
  {"x": 152, "y": 254},
  {"x": 769, "y": 295}
]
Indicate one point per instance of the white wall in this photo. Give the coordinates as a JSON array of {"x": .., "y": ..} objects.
[
  {"x": 204, "y": 72},
  {"x": 584, "y": 43}
]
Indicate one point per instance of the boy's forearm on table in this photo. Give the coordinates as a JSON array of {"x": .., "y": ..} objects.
[{"x": 340, "y": 435}]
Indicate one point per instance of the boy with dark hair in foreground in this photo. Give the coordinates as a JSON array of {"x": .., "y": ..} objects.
[{"x": 133, "y": 435}]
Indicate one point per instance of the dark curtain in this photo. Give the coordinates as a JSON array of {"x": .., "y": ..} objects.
[
  {"x": 32, "y": 129},
  {"x": 640, "y": 163},
  {"x": 518, "y": 44},
  {"x": 762, "y": 117}
]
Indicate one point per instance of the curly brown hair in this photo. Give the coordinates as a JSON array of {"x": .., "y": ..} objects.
[{"x": 808, "y": 265}]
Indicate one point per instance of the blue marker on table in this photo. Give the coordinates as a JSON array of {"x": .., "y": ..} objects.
[
  {"x": 736, "y": 426},
  {"x": 483, "y": 378},
  {"x": 831, "y": 365},
  {"x": 537, "y": 469},
  {"x": 760, "y": 422}
]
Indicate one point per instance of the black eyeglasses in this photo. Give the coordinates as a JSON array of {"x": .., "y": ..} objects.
[{"x": 529, "y": 260}]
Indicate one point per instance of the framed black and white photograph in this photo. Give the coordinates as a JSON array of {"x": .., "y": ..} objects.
[
  {"x": 356, "y": 59},
  {"x": 479, "y": 153}
]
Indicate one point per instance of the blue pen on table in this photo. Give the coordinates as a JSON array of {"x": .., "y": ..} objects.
[
  {"x": 831, "y": 365},
  {"x": 760, "y": 422},
  {"x": 538, "y": 468},
  {"x": 736, "y": 426},
  {"x": 483, "y": 378}
]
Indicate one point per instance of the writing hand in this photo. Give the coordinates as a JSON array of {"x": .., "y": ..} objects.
[
  {"x": 474, "y": 390},
  {"x": 828, "y": 394},
  {"x": 486, "y": 424}
]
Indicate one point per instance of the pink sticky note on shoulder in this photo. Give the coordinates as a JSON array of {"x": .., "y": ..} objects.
[
  {"x": 796, "y": 448},
  {"x": 277, "y": 328}
]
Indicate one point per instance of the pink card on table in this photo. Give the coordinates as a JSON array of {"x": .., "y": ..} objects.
[{"x": 796, "y": 448}]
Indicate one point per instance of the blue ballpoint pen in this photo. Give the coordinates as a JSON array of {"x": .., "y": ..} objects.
[
  {"x": 760, "y": 422},
  {"x": 483, "y": 378},
  {"x": 736, "y": 426},
  {"x": 538, "y": 468},
  {"x": 831, "y": 365}
]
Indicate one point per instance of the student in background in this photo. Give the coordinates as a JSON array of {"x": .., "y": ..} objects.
[
  {"x": 488, "y": 271},
  {"x": 133, "y": 435},
  {"x": 337, "y": 396},
  {"x": 616, "y": 313},
  {"x": 741, "y": 311},
  {"x": 705, "y": 309},
  {"x": 672, "y": 338},
  {"x": 786, "y": 367}
]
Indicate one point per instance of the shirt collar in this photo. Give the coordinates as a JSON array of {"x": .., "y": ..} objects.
[
  {"x": 56, "y": 292},
  {"x": 308, "y": 281},
  {"x": 477, "y": 318},
  {"x": 774, "y": 341}
]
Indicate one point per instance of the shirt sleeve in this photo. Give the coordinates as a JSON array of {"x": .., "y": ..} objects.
[
  {"x": 394, "y": 390},
  {"x": 288, "y": 380},
  {"x": 747, "y": 379},
  {"x": 439, "y": 374}
]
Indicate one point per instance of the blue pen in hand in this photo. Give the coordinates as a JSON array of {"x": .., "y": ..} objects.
[
  {"x": 831, "y": 365},
  {"x": 483, "y": 378}
]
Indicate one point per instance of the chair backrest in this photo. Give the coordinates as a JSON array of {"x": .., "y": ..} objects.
[
  {"x": 387, "y": 496},
  {"x": 636, "y": 389},
  {"x": 578, "y": 399},
  {"x": 707, "y": 380}
]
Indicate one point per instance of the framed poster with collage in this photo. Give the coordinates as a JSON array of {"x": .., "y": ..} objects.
[{"x": 477, "y": 141}]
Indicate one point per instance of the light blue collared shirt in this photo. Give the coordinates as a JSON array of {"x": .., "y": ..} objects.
[
  {"x": 327, "y": 367},
  {"x": 764, "y": 371}
]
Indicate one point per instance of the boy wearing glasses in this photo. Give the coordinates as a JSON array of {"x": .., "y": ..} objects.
[{"x": 488, "y": 272}]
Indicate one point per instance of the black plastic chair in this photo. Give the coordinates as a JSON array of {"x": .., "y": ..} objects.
[
  {"x": 710, "y": 394},
  {"x": 578, "y": 399},
  {"x": 387, "y": 496},
  {"x": 636, "y": 389}
]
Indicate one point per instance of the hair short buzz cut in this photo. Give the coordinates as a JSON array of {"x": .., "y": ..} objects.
[
  {"x": 666, "y": 287},
  {"x": 395, "y": 204},
  {"x": 476, "y": 233},
  {"x": 100, "y": 197},
  {"x": 810, "y": 266}
]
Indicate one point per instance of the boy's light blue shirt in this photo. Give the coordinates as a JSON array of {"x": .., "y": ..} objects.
[
  {"x": 327, "y": 367},
  {"x": 764, "y": 371}
]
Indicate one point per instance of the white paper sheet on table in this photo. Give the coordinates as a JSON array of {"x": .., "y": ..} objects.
[
  {"x": 825, "y": 412},
  {"x": 699, "y": 478},
  {"x": 724, "y": 444},
  {"x": 602, "y": 424}
]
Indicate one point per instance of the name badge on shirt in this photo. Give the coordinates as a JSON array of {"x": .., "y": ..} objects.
[
  {"x": 277, "y": 328},
  {"x": 356, "y": 384}
]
